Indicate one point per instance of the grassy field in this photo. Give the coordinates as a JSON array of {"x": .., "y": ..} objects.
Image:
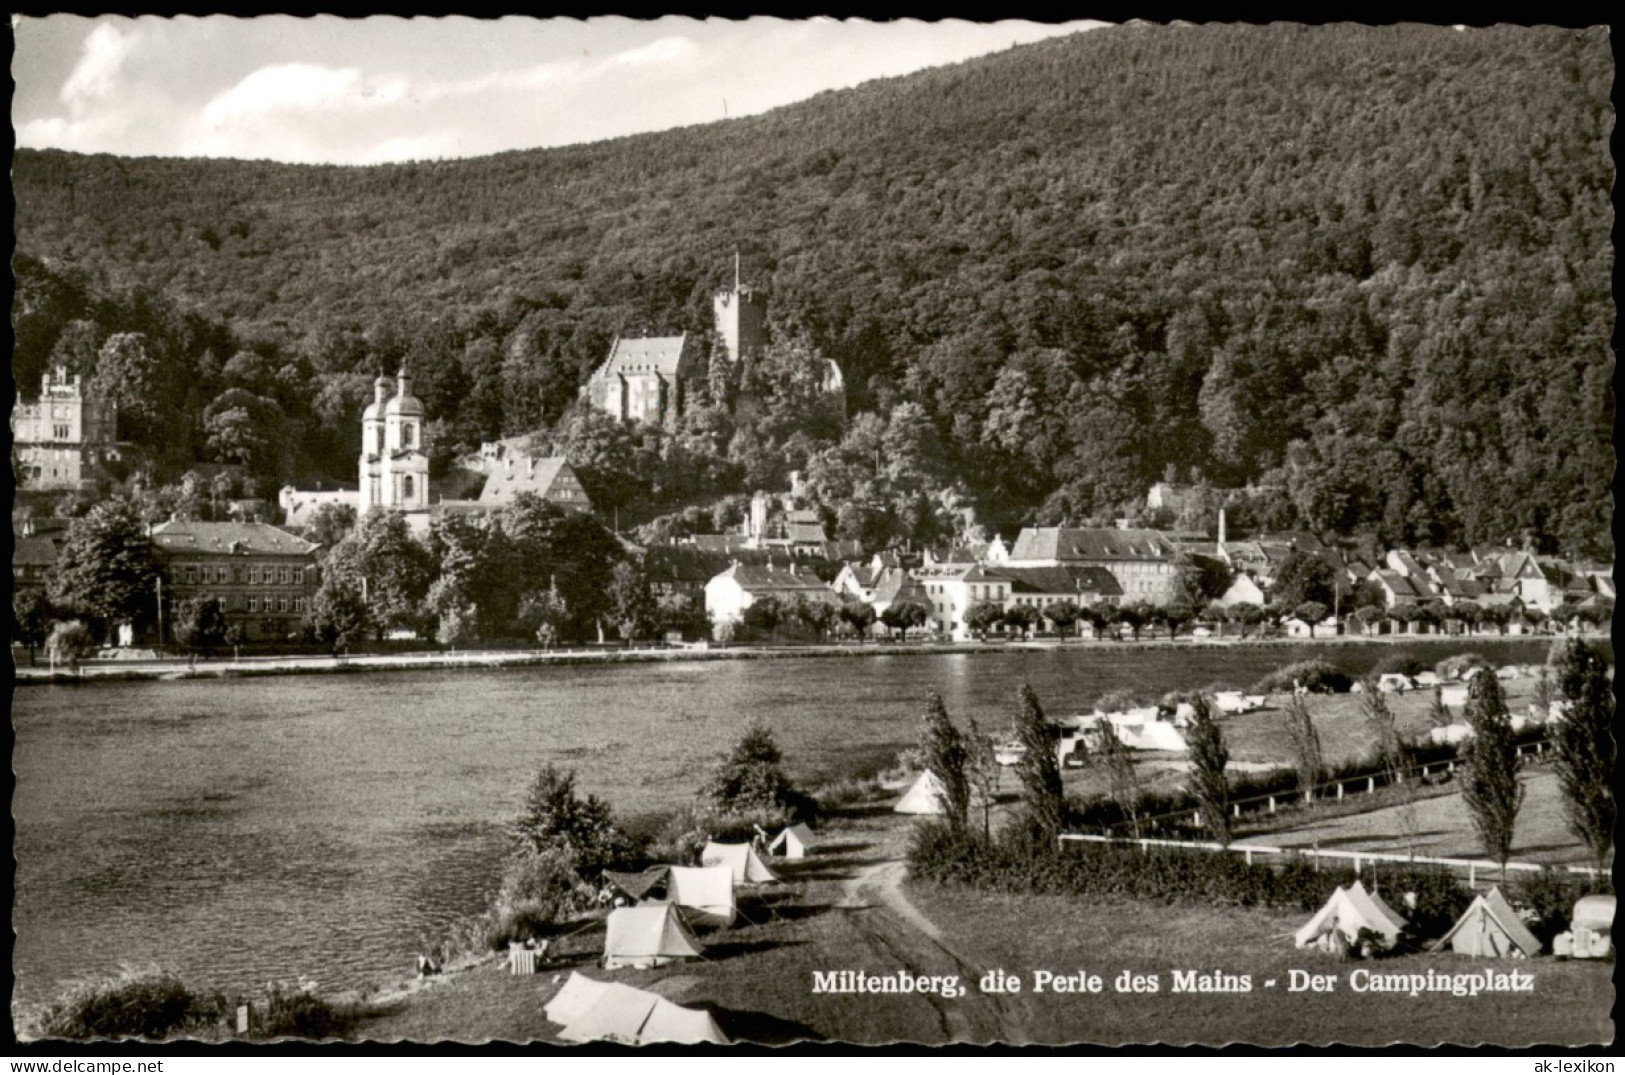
[{"x": 1569, "y": 1005}]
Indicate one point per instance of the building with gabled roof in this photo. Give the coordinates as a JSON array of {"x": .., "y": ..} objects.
[
  {"x": 645, "y": 379},
  {"x": 953, "y": 588},
  {"x": 729, "y": 593},
  {"x": 1144, "y": 562},
  {"x": 263, "y": 577}
]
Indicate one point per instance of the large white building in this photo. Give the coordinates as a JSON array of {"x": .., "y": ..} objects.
[
  {"x": 62, "y": 441},
  {"x": 394, "y": 465}
]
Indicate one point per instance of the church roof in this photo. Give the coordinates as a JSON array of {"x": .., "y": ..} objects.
[{"x": 646, "y": 354}]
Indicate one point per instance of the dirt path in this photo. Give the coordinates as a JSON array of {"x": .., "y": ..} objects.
[{"x": 895, "y": 926}]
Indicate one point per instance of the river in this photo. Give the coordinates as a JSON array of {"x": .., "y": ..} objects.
[{"x": 242, "y": 831}]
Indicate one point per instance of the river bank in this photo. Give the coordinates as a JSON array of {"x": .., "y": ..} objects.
[{"x": 173, "y": 668}]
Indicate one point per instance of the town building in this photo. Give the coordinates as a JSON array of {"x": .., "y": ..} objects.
[
  {"x": 1084, "y": 585},
  {"x": 32, "y": 558},
  {"x": 549, "y": 477},
  {"x": 264, "y": 577},
  {"x": 729, "y": 593},
  {"x": 1144, "y": 562},
  {"x": 299, "y": 506},
  {"x": 65, "y": 439},
  {"x": 954, "y": 588},
  {"x": 394, "y": 463}
]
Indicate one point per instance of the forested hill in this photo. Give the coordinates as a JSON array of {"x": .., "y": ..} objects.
[{"x": 1367, "y": 266}]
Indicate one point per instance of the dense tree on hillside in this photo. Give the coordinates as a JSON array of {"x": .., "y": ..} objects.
[{"x": 1392, "y": 313}]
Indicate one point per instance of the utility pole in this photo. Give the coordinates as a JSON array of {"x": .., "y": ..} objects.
[{"x": 159, "y": 583}]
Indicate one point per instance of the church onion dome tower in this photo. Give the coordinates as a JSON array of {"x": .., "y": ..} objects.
[{"x": 403, "y": 403}]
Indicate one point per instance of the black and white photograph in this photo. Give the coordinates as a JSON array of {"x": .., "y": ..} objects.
[{"x": 691, "y": 533}]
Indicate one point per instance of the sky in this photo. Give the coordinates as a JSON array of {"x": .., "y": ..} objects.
[{"x": 375, "y": 90}]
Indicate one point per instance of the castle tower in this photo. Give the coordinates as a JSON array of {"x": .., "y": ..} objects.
[{"x": 741, "y": 317}]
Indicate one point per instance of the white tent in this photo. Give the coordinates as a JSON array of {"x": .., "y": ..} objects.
[
  {"x": 1450, "y": 734},
  {"x": 747, "y": 866},
  {"x": 631, "y": 1016},
  {"x": 1490, "y": 927},
  {"x": 1152, "y": 735},
  {"x": 1347, "y": 912},
  {"x": 648, "y": 935},
  {"x": 1395, "y": 682},
  {"x": 575, "y": 996},
  {"x": 925, "y": 797},
  {"x": 795, "y": 842},
  {"x": 705, "y": 893}
]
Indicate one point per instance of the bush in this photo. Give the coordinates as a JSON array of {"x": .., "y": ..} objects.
[
  {"x": 751, "y": 781},
  {"x": 148, "y": 1003},
  {"x": 1551, "y": 896},
  {"x": 1558, "y": 650},
  {"x": 290, "y": 1012},
  {"x": 1400, "y": 664},
  {"x": 1315, "y": 676},
  {"x": 556, "y": 818},
  {"x": 1455, "y": 667}
]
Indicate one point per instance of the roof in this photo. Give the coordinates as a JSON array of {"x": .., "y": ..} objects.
[
  {"x": 678, "y": 563},
  {"x": 646, "y": 354},
  {"x": 1062, "y": 579},
  {"x": 774, "y": 580},
  {"x": 33, "y": 552},
  {"x": 529, "y": 474},
  {"x": 897, "y": 585},
  {"x": 1062, "y": 543},
  {"x": 805, "y": 533},
  {"x": 258, "y": 539}
]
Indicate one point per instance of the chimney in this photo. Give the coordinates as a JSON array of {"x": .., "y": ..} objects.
[{"x": 1221, "y": 529}]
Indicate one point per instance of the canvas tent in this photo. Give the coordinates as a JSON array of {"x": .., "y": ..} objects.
[
  {"x": 705, "y": 893},
  {"x": 795, "y": 842},
  {"x": 747, "y": 866},
  {"x": 620, "y": 1013},
  {"x": 648, "y": 935},
  {"x": 1152, "y": 735},
  {"x": 575, "y": 996},
  {"x": 924, "y": 797},
  {"x": 1348, "y": 911},
  {"x": 638, "y": 886},
  {"x": 1490, "y": 927}
]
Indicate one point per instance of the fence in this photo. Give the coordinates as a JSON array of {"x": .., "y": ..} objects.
[
  {"x": 1357, "y": 858},
  {"x": 1336, "y": 789}
]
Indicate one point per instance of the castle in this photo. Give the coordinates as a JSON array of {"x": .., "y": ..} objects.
[{"x": 62, "y": 441}]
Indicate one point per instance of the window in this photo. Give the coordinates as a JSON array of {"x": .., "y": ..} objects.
[
  {"x": 282, "y": 575},
  {"x": 61, "y": 432},
  {"x": 191, "y": 576},
  {"x": 253, "y": 604},
  {"x": 253, "y": 575},
  {"x": 282, "y": 604},
  {"x": 406, "y": 435},
  {"x": 299, "y": 604},
  {"x": 406, "y": 487}
]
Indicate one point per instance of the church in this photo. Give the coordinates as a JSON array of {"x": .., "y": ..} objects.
[{"x": 394, "y": 465}]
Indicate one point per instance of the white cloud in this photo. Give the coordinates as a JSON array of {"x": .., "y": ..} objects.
[
  {"x": 294, "y": 87},
  {"x": 94, "y": 76},
  {"x": 665, "y": 50}
]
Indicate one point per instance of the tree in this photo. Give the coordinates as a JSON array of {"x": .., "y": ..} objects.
[
  {"x": 1135, "y": 616},
  {"x": 1302, "y": 577},
  {"x": 680, "y": 612},
  {"x": 946, "y": 756},
  {"x": 1038, "y": 768},
  {"x": 982, "y": 616},
  {"x": 752, "y": 780},
  {"x": 1311, "y": 612},
  {"x": 338, "y": 617},
  {"x": 1121, "y": 776},
  {"x": 1176, "y": 615},
  {"x": 1217, "y": 615},
  {"x": 1299, "y": 728},
  {"x": 1393, "y": 754},
  {"x": 329, "y": 524},
  {"x": 903, "y": 615},
  {"x": 857, "y": 615},
  {"x": 631, "y": 604},
  {"x": 1063, "y": 614},
  {"x": 1020, "y": 617},
  {"x": 1245, "y": 614},
  {"x": 106, "y": 570},
  {"x": 764, "y": 615},
  {"x": 1586, "y": 747},
  {"x": 1208, "y": 757},
  {"x": 556, "y": 818},
  {"x": 199, "y": 624},
  {"x": 69, "y": 642},
  {"x": 1490, "y": 785},
  {"x": 381, "y": 560},
  {"x": 982, "y": 770},
  {"x": 30, "y": 619},
  {"x": 544, "y": 614}
]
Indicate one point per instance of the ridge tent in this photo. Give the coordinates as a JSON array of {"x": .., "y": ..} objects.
[
  {"x": 575, "y": 996},
  {"x": 648, "y": 935},
  {"x": 632, "y": 1016},
  {"x": 747, "y": 866},
  {"x": 924, "y": 797},
  {"x": 705, "y": 893},
  {"x": 795, "y": 842},
  {"x": 637, "y": 886},
  {"x": 1347, "y": 912},
  {"x": 1490, "y": 927}
]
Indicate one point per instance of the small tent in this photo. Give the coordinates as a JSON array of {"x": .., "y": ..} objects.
[
  {"x": 638, "y": 886},
  {"x": 648, "y": 935},
  {"x": 795, "y": 842},
  {"x": 1152, "y": 735},
  {"x": 575, "y": 996},
  {"x": 1490, "y": 927},
  {"x": 924, "y": 797},
  {"x": 1348, "y": 911},
  {"x": 705, "y": 893},
  {"x": 629, "y": 1016},
  {"x": 747, "y": 866}
]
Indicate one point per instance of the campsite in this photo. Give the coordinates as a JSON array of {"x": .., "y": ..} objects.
[{"x": 845, "y": 900}]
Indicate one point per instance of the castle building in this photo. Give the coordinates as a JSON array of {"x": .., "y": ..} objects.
[
  {"x": 741, "y": 319},
  {"x": 62, "y": 441},
  {"x": 394, "y": 465}
]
